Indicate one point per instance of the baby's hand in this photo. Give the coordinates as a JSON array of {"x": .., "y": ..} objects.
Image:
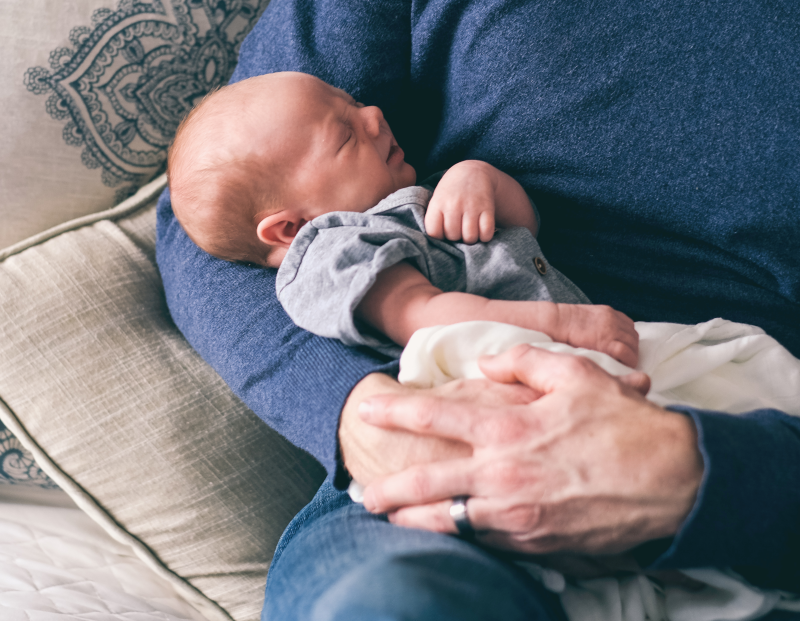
[
  {"x": 600, "y": 328},
  {"x": 463, "y": 204}
]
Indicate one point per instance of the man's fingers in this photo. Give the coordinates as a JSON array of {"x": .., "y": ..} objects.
[
  {"x": 539, "y": 369},
  {"x": 623, "y": 352},
  {"x": 486, "y": 517},
  {"x": 420, "y": 485},
  {"x": 638, "y": 381},
  {"x": 430, "y": 416},
  {"x": 433, "y": 517}
]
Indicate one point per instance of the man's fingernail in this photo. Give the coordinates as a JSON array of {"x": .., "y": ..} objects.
[
  {"x": 369, "y": 501},
  {"x": 365, "y": 410}
]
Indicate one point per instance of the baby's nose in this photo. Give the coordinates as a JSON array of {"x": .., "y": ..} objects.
[{"x": 373, "y": 119}]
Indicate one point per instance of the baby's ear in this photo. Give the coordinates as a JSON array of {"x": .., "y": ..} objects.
[{"x": 279, "y": 229}]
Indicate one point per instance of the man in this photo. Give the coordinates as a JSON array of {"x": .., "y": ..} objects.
[{"x": 660, "y": 142}]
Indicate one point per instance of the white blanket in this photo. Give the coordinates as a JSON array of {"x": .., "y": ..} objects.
[{"x": 718, "y": 365}]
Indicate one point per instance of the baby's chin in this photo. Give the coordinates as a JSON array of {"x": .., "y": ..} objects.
[{"x": 409, "y": 176}]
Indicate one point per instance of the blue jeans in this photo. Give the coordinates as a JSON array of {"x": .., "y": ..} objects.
[{"x": 336, "y": 561}]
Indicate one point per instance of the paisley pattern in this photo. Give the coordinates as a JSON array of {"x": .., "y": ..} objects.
[
  {"x": 17, "y": 464},
  {"x": 130, "y": 77}
]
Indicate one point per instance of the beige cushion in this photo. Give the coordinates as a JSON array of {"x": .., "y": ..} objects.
[
  {"x": 92, "y": 92},
  {"x": 117, "y": 408}
]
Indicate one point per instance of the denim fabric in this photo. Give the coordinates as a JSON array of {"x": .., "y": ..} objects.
[{"x": 337, "y": 562}]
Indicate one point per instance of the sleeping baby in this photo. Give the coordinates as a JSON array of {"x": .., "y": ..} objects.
[{"x": 286, "y": 171}]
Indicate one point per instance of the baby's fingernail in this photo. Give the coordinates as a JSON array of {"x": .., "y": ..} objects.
[{"x": 365, "y": 410}]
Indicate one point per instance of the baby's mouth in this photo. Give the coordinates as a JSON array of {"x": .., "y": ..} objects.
[{"x": 395, "y": 152}]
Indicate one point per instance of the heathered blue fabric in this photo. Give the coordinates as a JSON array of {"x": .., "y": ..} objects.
[{"x": 660, "y": 141}]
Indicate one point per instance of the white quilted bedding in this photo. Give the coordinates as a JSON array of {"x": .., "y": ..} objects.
[{"x": 58, "y": 565}]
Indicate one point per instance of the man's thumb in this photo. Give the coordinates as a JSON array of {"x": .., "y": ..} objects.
[{"x": 638, "y": 381}]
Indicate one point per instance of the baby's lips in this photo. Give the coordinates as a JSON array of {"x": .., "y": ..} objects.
[{"x": 395, "y": 153}]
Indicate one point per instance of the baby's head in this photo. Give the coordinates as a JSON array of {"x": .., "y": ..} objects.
[{"x": 256, "y": 160}]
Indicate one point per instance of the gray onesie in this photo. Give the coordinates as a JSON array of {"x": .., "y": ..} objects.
[{"x": 335, "y": 259}]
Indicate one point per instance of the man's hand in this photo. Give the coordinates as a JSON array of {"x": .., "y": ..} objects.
[
  {"x": 590, "y": 467},
  {"x": 371, "y": 452}
]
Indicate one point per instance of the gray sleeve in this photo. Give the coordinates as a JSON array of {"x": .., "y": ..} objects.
[{"x": 328, "y": 271}]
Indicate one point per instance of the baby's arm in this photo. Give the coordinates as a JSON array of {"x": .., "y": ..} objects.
[
  {"x": 402, "y": 301},
  {"x": 471, "y": 198}
]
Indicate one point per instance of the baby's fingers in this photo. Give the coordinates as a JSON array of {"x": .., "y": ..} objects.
[
  {"x": 434, "y": 223},
  {"x": 470, "y": 232},
  {"x": 453, "y": 220},
  {"x": 486, "y": 225},
  {"x": 477, "y": 226}
]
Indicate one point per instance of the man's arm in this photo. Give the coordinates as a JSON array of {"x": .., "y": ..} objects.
[
  {"x": 296, "y": 382},
  {"x": 748, "y": 506}
]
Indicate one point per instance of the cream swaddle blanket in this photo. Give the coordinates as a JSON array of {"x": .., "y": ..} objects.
[{"x": 717, "y": 365}]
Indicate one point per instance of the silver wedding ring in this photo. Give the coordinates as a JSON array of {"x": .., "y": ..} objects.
[{"x": 458, "y": 511}]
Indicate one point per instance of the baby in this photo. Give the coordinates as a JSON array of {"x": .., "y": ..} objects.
[{"x": 285, "y": 171}]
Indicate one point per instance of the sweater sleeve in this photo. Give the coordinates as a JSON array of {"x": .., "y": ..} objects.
[
  {"x": 747, "y": 514},
  {"x": 294, "y": 381}
]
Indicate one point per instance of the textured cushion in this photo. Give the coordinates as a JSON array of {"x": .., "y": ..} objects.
[
  {"x": 92, "y": 95},
  {"x": 99, "y": 385}
]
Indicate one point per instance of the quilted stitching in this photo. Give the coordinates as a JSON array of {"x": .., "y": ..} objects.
[{"x": 52, "y": 576}]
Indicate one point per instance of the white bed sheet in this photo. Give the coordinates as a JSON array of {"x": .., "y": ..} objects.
[{"x": 56, "y": 564}]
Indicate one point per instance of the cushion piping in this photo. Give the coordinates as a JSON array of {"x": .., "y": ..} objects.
[
  {"x": 143, "y": 197},
  {"x": 93, "y": 509}
]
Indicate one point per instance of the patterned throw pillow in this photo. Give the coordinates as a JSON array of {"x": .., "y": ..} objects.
[
  {"x": 92, "y": 96},
  {"x": 17, "y": 464}
]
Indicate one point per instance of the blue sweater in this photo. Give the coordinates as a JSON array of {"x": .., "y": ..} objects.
[{"x": 660, "y": 141}]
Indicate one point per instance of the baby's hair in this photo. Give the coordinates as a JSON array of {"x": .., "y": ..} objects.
[{"x": 217, "y": 192}]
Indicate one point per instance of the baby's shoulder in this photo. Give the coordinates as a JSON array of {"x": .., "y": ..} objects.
[{"x": 409, "y": 198}]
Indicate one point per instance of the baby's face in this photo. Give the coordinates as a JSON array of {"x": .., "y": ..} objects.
[{"x": 339, "y": 154}]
